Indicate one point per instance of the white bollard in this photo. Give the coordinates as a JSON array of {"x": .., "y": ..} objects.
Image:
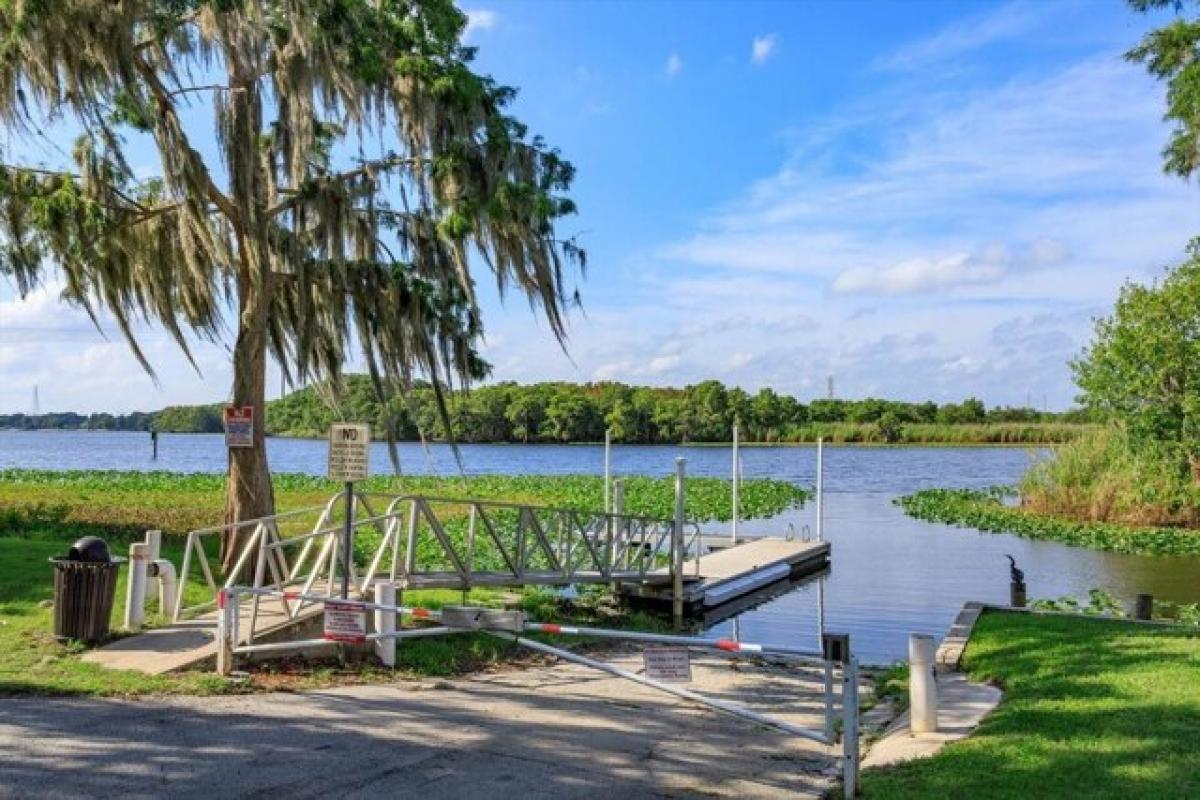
[
  {"x": 226, "y": 630},
  {"x": 922, "y": 683},
  {"x": 166, "y": 587},
  {"x": 385, "y": 622},
  {"x": 153, "y": 545},
  {"x": 135, "y": 590}
]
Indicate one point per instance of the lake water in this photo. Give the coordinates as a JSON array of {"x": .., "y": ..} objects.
[{"x": 891, "y": 575}]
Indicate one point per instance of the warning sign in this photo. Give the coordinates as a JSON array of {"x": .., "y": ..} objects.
[
  {"x": 349, "y": 452},
  {"x": 668, "y": 664},
  {"x": 239, "y": 426},
  {"x": 345, "y": 622}
]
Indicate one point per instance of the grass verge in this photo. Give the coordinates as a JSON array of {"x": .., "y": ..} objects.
[
  {"x": 32, "y": 661},
  {"x": 986, "y": 511},
  {"x": 1092, "y": 708}
]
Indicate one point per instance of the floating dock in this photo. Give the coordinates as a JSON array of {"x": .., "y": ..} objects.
[{"x": 733, "y": 572}]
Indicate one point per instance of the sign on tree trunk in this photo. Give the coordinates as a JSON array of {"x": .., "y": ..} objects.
[{"x": 239, "y": 426}]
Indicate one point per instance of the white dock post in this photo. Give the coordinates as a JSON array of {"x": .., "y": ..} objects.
[
  {"x": 607, "y": 470},
  {"x": 135, "y": 590},
  {"x": 677, "y": 544},
  {"x": 737, "y": 479},
  {"x": 820, "y": 489},
  {"x": 385, "y": 622},
  {"x": 922, "y": 683}
]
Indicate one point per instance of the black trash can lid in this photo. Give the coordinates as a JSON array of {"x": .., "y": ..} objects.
[{"x": 90, "y": 548}]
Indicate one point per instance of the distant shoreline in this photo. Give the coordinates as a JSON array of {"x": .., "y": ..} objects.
[{"x": 1048, "y": 443}]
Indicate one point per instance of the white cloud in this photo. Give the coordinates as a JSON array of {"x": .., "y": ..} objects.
[
  {"x": 480, "y": 19},
  {"x": 959, "y": 269},
  {"x": 763, "y": 47},
  {"x": 674, "y": 65},
  {"x": 969, "y": 34}
]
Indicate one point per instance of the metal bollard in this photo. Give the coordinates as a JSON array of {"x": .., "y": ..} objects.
[
  {"x": 135, "y": 590},
  {"x": 922, "y": 683},
  {"x": 385, "y": 622},
  {"x": 850, "y": 755}
]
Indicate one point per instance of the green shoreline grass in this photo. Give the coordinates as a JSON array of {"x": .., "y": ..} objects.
[
  {"x": 1092, "y": 708},
  {"x": 986, "y": 511}
]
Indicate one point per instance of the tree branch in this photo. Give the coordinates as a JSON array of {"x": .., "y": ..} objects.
[{"x": 365, "y": 167}]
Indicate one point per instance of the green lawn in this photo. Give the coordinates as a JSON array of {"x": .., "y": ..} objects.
[{"x": 1092, "y": 709}]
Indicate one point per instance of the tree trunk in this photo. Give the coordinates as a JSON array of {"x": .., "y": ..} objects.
[{"x": 249, "y": 492}]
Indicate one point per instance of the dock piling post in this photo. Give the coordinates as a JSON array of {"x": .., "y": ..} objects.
[
  {"x": 677, "y": 544},
  {"x": 737, "y": 478},
  {"x": 1144, "y": 609},
  {"x": 820, "y": 489}
]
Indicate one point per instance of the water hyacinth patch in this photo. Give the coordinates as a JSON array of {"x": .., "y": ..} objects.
[
  {"x": 126, "y": 503},
  {"x": 986, "y": 510}
]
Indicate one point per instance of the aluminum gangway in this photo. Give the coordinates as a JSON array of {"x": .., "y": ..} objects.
[{"x": 428, "y": 542}]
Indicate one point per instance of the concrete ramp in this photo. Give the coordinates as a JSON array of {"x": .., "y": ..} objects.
[{"x": 184, "y": 644}]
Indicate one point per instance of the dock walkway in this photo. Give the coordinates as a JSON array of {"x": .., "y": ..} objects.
[
  {"x": 725, "y": 575},
  {"x": 710, "y": 581}
]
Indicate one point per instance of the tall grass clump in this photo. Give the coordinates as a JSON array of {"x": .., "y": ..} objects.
[{"x": 1106, "y": 477}]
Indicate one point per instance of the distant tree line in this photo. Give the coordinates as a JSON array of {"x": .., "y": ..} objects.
[
  {"x": 568, "y": 412},
  {"x": 69, "y": 420}
]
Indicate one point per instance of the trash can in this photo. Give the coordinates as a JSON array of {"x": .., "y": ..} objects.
[{"x": 85, "y": 585}]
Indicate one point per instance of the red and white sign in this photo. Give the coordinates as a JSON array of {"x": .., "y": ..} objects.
[
  {"x": 345, "y": 622},
  {"x": 239, "y": 426}
]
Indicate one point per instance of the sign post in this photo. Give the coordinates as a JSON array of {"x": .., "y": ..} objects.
[{"x": 349, "y": 459}]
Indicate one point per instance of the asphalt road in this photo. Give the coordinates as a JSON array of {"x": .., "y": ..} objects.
[{"x": 559, "y": 731}]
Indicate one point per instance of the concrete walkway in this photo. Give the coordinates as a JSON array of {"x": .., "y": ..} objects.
[
  {"x": 561, "y": 731},
  {"x": 962, "y": 705}
]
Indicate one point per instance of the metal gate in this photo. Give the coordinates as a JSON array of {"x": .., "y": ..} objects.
[{"x": 834, "y": 658}]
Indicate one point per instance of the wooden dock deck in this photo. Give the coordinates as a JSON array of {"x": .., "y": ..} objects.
[{"x": 725, "y": 575}]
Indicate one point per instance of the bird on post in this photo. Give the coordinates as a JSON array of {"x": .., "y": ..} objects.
[{"x": 1017, "y": 576}]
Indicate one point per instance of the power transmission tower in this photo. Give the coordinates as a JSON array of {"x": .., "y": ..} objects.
[{"x": 829, "y": 386}]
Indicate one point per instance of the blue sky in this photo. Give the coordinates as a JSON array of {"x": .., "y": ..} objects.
[{"x": 924, "y": 200}]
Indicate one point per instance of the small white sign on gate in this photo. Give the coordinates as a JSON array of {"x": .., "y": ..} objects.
[
  {"x": 349, "y": 452},
  {"x": 345, "y": 622},
  {"x": 668, "y": 664}
]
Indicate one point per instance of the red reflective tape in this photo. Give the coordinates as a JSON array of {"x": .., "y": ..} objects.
[
  {"x": 220, "y": 598},
  {"x": 728, "y": 644},
  {"x": 291, "y": 595},
  {"x": 420, "y": 612},
  {"x": 551, "y": 628}
]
